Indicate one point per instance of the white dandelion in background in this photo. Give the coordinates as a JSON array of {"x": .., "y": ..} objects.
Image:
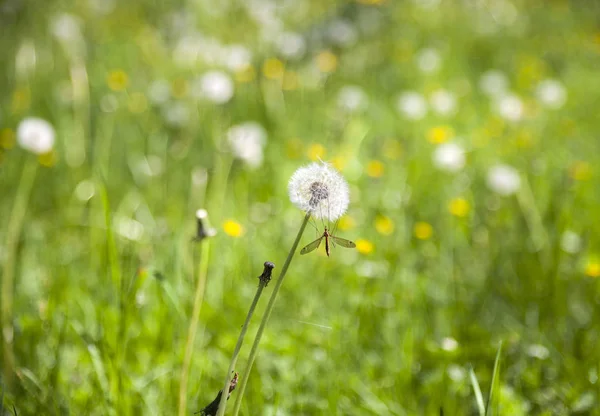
[
  {"x": 510, "y": 107},
  {"x": 342, "y": 33},
  {"x": 36, "y": 135},
  {"x": 428, "y": 60},
  {"x": 412, "y": 105},
  {"x": 449, "y": 157},
  {"x": 321, "y": 190},
  {"x": 291, "y": 45},
  {"x": 215, "y": 86},
  {"x": 236, "y": 57},
  {"x": 352, "y": 99},
  {"x": 159, "y": 91},
  {"x": 551, "y": 93},
  {"x": 443, "y": 102},
  {"x": 247, "y": 141},
  {"x": 493, "y": 83},
  {"x": 176, "y": 114},
  {"x": 570, "y": 242},
  {"x": 503, "y": 179}
]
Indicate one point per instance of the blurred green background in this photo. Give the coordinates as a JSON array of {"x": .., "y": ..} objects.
[{"x": 468, "y": 132}]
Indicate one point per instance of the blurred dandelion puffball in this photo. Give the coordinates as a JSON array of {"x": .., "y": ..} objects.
[
  {"x": 503, "y": 179},
  {"x": 412, "y": 105},
  {"x": 247, "y": 141},
  {"x": 35, "y": 135},
  {"x": 320, "y": 190},
  {"x": 215, "y": 86},
  {"x": 449, "y": 157}
]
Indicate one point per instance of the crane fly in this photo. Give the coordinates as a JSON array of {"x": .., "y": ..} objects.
[{"x": 326, "y": 235}]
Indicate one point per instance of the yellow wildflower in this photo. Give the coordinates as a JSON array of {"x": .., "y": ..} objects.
[
  {"x": 581, "y": 171},
  {"x": 246, "y": 74},
  {"x": 273, "y": 68},
  {"x": 592, "y": 269},
  {"x": 117, "y": 80},
  {"x": 179, "y": 88},
  {"x": 293, "y": 148},
  {"x": 21, "y": 100},
  {"x": 327, "y": 61},
  {"x": 423, "y": 230},
  {"x": 137, "y": 103},
  {"x": 48, "y": 159},
  {"x": 346, "y": 223},
  {"x": 392, "y": 149},
  {"x": 233, "y": 228},
  {"x": 384, "y": 225},
  {"x": 7, "y": 138},
  {"x": 459, "y": 207},
  {"x": 440, "y": 134},
  {"x": 364, "y": 246},
  {"x": 375, "y": 169}
]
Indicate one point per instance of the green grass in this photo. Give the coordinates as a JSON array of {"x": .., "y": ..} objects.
[{"x": 100, "y": 244}]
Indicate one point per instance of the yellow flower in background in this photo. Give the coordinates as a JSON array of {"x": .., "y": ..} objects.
[
  {"x": 117, "y": 80},
  {"x": 375, "y": 169},
  {"x": 21, "y": 100},
  {"x": 179, "y": 87},
  {"x": 440, "y": 134},
  {"x": 327, "y": 61},
  {"x": 246, "y": 74},
  {"x": 137, "y": 103},
  {"x": 384, "y": 225},
  {"x": 339, "y": 162},
  {"x": 459, "y": 207},
  {"x": 346, "y": 223},
  {"x": 592, "y": 269},
  {"x": 7, "y": 138},
  {"x": 371, "y": 2},
  {"x": 423, "y": 230},
  {"x": 364, "y": 246},
  {"x": 494, "y": 127},
  {"x": 315, "y": 151},
  {"x": 290, "y": 81},
  {"x": 233, "y": 228},
  {"x": 581, "y": 171},
  {"x": 48, "y": 159},
  {"x": 273, "y": 68},
  {"x": 392, "y": 149}
]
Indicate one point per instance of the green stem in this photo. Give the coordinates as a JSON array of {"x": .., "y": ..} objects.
[
  {"x": 238, "y": 347},
  {"x": 13, "y": 236},
  {"x": 189, "y": 346},
  {"x": 265, "y": 319}
]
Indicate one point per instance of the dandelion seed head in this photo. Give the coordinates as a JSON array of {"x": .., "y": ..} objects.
[
  {"x": 504, "y": 180},
  {"x": 510, "y": 107},
  {"x": 412, "y": 105},
  {"x": 321, "y": 190},
  {"x": 551, "y": 93},
  {"x": 36, "y": 135},
  {"x": 215, "y": 86},
  {"x": 247, "y": 141},
  {"x": 449, "y": 157}
]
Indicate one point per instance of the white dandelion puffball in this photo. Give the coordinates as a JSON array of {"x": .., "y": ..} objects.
[
  {"x": 412, "y": 105},
  {"x": 35, "y": 135},
  {"x": 321, "y": 190},
  {"x": 247, "y": 141},
  {"x": 493, "y": 83},
  {"x": 443, "y": 102},
  {"x": 428, "y": 60},
  {"x": 551, "y": 93},
  {"x": 291, "y": 45},
  {"x": 510, "y": 107},
  {"x": 503, "y": 179},
  {"x": 352, "y": 99},
  {"x": 215, "y": 86},
  {"x": 449, "y": 157}
]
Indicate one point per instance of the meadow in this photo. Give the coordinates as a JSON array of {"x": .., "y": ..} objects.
[{"x": 467, "y": 132}]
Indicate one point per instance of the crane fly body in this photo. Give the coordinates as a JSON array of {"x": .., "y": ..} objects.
[{"x": 327, "y": 236}]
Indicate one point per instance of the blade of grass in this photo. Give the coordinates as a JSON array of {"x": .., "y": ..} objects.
[
  {"x": 495, "y": 375},
  {"x": 477, "y": 390}
]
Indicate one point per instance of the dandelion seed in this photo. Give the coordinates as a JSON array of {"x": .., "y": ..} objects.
[
  {"x": 503, "y": 179},
  {"x": 36, "y": 135},
  {"x": 449, "y": 157},
  {"x": 321, "y": 190}
]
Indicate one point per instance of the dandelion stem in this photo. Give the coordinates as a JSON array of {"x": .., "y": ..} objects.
[
  {"x": 13, "y": 235},
  {"x": 265, "y": 318},
  {"x": 236, "y": 351},
  {"x": 189, "y": 346}
]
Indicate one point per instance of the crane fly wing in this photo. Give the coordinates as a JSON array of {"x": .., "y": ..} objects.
[
  {"x": 312, "y": 246},
  {"x": 343, "y": 242}
]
